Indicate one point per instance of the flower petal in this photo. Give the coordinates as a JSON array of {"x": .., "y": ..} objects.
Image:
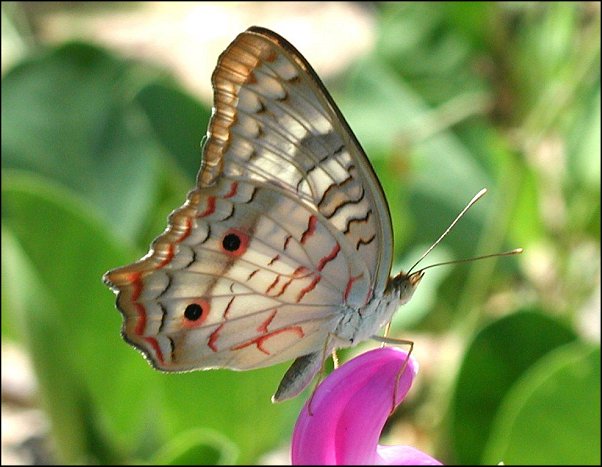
[
  {"x": 403, "y": 455},
  {"x": 350, "y": 408}
]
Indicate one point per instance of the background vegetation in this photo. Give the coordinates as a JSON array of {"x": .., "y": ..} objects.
[{"x": 97, "y": 149}]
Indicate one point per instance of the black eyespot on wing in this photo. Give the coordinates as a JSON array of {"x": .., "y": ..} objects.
[
  {"x": 235, "y": 242},
  {"x": 193, "y": 312},
  {"x": 231, "y": 242}
]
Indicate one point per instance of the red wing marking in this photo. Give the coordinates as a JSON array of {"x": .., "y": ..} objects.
[
  {"x": 155, "y": 345},
  {"x": 213, "y": 337},
  {"x": 168, "y": 258},
  {"x": 309, "y": 288},
  {"x": 141, "y": 323},
  {"x": 210, "y": 207},
  {"x": 349, "y": 286},
  {"x": 259, "y": 341},
  {"x": 233, "y": 189},
  {"x": 284, "y": 287},
  {"x": 134, "y": 279},
  {"x": 332, "y": 255},
  {"x": 368, "y": 296},
  {"x": 228, "y": 307},
  {"x": 271, "y": 57},
  {"x": 273, "y": 260},
  {"x": 215, "y": 334},
  {"x": 187, "y": 231},
  {"x": 263, "y": 327},
  {"x": 311, "y": 229},
  {"x": 273, "y": 284},
  {"x": 300, "y": 272}
]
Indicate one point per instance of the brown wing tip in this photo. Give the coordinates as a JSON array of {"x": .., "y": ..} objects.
[
  {"x": 121, "y": 277},
  {"x": 268, "y": 33},
  {"x": 272, "y": 36},
  {"x": 161, "y": 254}
]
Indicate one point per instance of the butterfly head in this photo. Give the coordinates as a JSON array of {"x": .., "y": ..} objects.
[{"x": 403, "y": 285}]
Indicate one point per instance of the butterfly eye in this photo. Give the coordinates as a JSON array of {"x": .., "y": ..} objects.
[{"x": 235, "y": 242}]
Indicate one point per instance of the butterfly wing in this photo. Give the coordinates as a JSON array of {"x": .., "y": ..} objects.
[{"x": 286, "y": 228}]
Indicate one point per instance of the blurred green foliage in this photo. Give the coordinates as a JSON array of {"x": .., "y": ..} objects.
[{"x": 97, "y": 150}]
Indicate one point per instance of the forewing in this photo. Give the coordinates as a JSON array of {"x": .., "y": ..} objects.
[{"x": 274, "y": 121}]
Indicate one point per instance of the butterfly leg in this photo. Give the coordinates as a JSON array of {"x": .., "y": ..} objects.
[
  {"x": 335, "y": 359},
  {"x": 386, "y": 333},
  {"x": 390, "y": 340}
]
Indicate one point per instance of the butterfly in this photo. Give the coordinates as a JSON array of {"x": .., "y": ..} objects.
[{"x": 283, "y": 249}]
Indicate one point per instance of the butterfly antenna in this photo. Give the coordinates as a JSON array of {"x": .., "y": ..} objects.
[
  {"x": 516, "y": 251},
  {"x": 476, "y": 197}
]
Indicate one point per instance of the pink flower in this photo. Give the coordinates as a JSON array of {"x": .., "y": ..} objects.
[{"x": 349, "y": 410}]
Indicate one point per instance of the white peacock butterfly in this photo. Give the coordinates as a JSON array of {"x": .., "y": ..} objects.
[{"x": 284, "y": 247}]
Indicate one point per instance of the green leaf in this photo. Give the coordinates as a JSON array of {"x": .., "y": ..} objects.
[
  {"x": 236, "y": 404},
  {"x": 179, "y": 121},
  {"x": 68, "y": 114},
  {"x": 95, "y": 384},
  {"x": 388, "y": 117},
  {"x": 56, "y": 297},
  {"x": 499, "y": 354},
  {"x": 551, "y": 416},
  {"x": 197, "y": 447}
]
